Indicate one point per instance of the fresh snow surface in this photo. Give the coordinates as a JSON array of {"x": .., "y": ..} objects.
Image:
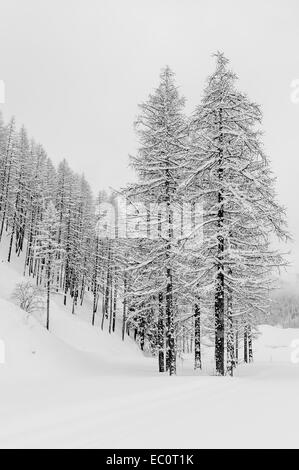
[{"x": 79, "y": 387}]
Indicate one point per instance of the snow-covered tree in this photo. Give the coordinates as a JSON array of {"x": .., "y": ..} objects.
[
  {"x": 162, "y": 132},
  {"x": 228, "y": 171}
]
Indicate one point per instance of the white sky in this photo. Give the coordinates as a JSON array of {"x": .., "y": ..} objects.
[{"x": 75, "y": 71}]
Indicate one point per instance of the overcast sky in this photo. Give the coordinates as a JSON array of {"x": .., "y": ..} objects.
[{"x": 75, "y": 71}]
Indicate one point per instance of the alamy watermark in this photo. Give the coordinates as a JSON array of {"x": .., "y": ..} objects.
[{"x": 123, "y": 218}]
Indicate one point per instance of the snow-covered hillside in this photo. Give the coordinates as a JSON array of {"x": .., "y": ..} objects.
[{"x": 76, "y": 386}]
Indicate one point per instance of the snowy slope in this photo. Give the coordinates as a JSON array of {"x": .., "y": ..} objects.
[
  {"x": 31, "y": 352},
  {"x": 69, "y": 334},
  {"x": 79, "y": 387}
]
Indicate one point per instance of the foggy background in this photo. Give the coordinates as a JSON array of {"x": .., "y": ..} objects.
[{"x": 75, "y": 71}]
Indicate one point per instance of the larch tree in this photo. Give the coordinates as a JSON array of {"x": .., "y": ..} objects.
[
  {"x": 230, "y": 173},
  {"x": 162, "y": 131}
]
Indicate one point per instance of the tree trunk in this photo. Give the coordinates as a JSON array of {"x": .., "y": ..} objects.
[
  {"x": 142, "y": 334},
  {"x": 124, "y": 308},
  {"x": 161, "y": 333},
  {"x": 230, "y": 337},
  {"x": 103, "y": 309},
  {"x": 171, "y": 353},
  {"x": 94, "y": 307},
  {"x": 95, "y": 281},
  {"x": 237, "y": 345},
  {"x": 250, "y": 351},
  {"x": 11, "y": 238},
  {"x": 48, "y": 293},
  {"x": 111, "y": 305},
  {"x": 245, "y": 344},
  {"x": 197, "y": 343},
  {"x": 170, "y": 325},
  {"x": 114, "y": 303}
]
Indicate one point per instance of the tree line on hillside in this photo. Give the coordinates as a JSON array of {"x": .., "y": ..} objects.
[{"x": 171, "y": 290}]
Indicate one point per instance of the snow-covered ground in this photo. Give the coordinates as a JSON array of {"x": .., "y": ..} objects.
[{"x": 80, "y": 387}]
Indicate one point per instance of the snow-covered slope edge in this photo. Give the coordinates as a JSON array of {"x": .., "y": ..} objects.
[
  {"x": 72, "y": 346},
  {"x": 32, "y": 352}
]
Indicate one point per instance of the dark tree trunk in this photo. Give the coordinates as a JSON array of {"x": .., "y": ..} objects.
[
  {"x": 67, "y": 264},
  {"x": 95, "y": 282},
  {"x": 11, "y": 238},
  {"x": 170, "y": 333},
  {"x": 230, "y": 337},
  {"x": 161, "y": 333},
  {"x": 111, "y": 305},
  {"x": 245, "y": 344},
  {"x": 114, "y": 304},
  {"x": 197, "y": 342},
  {"x": 237, "y": 345},
  {"x": 219, "y": 323},
  {"x": 48, "y": 293},
  {"x": 124, "y": 308},
  {"x": 94, "y": 307},
  {"x": 107, "y": 290},
  {"x": 250, "y": 351},
  {"x": 142, "y": 334},
  {"x": 104, "y": 306},
  {"x": 170, "y": 325}
]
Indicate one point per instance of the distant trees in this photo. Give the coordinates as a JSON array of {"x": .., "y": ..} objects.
[
  {"x": 284, "y": 309},
  {"x": 8, "y": 170},
  {"x": 74, "y": 204},
  {"x": 19, "y": 193},
  {"x": 29, "y": 187}
]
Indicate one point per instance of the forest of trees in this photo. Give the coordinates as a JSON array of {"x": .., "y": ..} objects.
[
  {"x": 284, "y": 308},
  {"x": 170, "y": 290}
]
